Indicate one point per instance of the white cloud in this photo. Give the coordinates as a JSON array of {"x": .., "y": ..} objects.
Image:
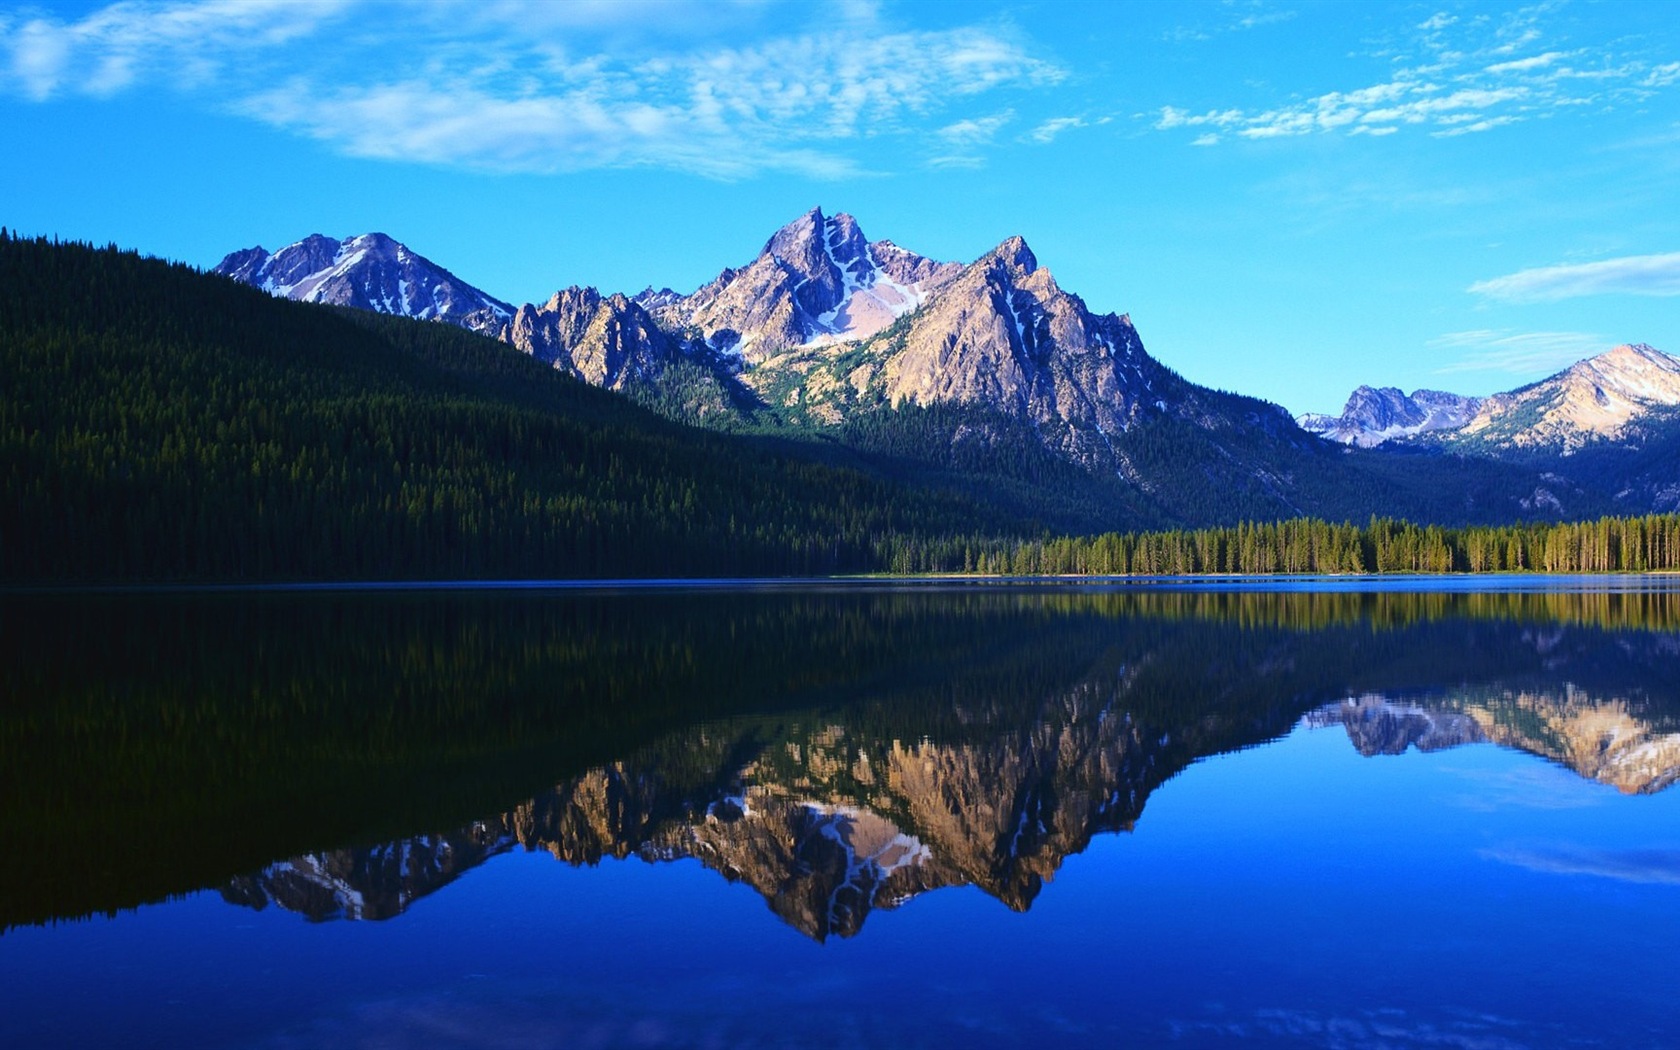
[
  {"x": 1462, "y": 78},
  {"x": 1047, "y": 131},
  {"x": 975, "y": 131},
  {"x": 1523, "y": 65},
  {"x": 538, "y": 87},
  {"x": 1629, "y": 275},
  {"x": 184, "y": 44},
  {"x": 1240, "y": 16},
  {"x": 1519, "y": 353}
]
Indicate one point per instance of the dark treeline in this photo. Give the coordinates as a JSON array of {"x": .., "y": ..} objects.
[{"x": 1650, "y": 543}]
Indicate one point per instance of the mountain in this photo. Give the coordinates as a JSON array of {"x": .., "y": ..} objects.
[
  {"x": 1603, "y": 398},
  {"x": 988, "y": 379},
  {"x": 369, "y": 272},
  {"x": 816, "y": 280},
  {"x": 833, "y": 822},
  {"x": 613, "y": 342},
  {"x": 1607, "y": 428},
  {"x": 321, "y": 442},
  {"x": 993, "y": 379},
  {"x": 832, "y": 816},
  {"x": 824, "y": 325},
  {"x": 607, "y": 341},
  {"x": 1372, "y": 416}
]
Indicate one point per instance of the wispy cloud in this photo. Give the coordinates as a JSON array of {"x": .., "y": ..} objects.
[
  {"x": 1629, "y": 275},
  {"x": 1659, "y": 866},
  {"x": 1463, "y": 78},
  {"x": 975, "y": 131},
  {"x": 509, "y": 87},
  {"x": 182, "y": 44},
  {"x": 1048, "y": 131},
  {"x": 1519, "y": 353},
  {"x": 1233, "y": 16}
]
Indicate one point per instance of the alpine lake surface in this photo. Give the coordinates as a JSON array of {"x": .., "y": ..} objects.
[{"x": 1272, "y": 813}]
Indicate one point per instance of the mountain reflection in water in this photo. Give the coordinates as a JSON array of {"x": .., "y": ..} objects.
[{"x": 839, "y": 751}]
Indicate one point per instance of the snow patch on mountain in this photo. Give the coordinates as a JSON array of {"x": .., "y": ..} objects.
[
  {"x": 369, "y": 272},
  {"x": 1375, "y": 415}
]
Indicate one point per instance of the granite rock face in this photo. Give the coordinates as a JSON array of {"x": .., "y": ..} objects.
[
  {"x": 816, "y": 280},
  {"x": 609, "y": 341}
]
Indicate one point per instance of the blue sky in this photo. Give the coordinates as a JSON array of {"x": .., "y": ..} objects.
[{"x": 1290, "y": 199}]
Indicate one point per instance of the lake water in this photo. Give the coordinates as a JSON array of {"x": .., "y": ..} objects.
[{"x": 1279, "y": 814}]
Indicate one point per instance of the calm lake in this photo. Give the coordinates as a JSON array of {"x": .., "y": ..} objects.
[{"x": 1305, "y": 813}]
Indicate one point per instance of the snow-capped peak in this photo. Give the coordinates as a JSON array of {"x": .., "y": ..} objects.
[{"x": 370, "y": 271}]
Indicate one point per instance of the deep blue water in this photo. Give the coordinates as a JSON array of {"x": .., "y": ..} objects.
[{"x": 1259, "y": 882}]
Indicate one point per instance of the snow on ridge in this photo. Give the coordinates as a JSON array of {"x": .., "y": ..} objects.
[
  {"x": 370, "y": 270},
  {"x": 869, "y": 301}
]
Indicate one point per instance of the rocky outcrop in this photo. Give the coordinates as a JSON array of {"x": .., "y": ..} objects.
[
  {"x": 1003, "y": 335},
  {"x": 608, "y": 341}
]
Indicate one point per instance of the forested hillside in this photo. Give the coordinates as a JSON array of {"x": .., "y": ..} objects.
[{"x": 161, "y": 424}]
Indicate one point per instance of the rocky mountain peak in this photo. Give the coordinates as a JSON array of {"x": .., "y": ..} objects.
[
  {"x": 370, "y": 271},
  {"x": 1014, "y": 254},
  {"x": 818, "y": 280},
  {"x": 609, "y": 341},
  {"x": 1374, "y": 415},
  {"x": 1600, "y": 397}
]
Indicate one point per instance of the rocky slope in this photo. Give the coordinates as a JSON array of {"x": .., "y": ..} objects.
[
  {"x": 817, "y": 280},
  {"x": 1373, "y": 416},
  {"x": 608, "y": 341},
  {"x": 1002, "y": 336},
  {"x": 987, "y": 377},
  {"x": 1602, "y": 397},
  {"x": 369, "y": 272},
  {"x": 821, "y": 325}
]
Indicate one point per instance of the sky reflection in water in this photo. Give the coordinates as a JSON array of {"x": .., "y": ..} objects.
[{"x": 1276, "y": 886}]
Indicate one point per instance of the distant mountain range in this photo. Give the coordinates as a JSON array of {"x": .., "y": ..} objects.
[
  {"x": 821, "y": 325},
  {"x": 1604, "y": 398},
  {"x": 1373, "y": 416},
  {"x": 987, "y": 376}
]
